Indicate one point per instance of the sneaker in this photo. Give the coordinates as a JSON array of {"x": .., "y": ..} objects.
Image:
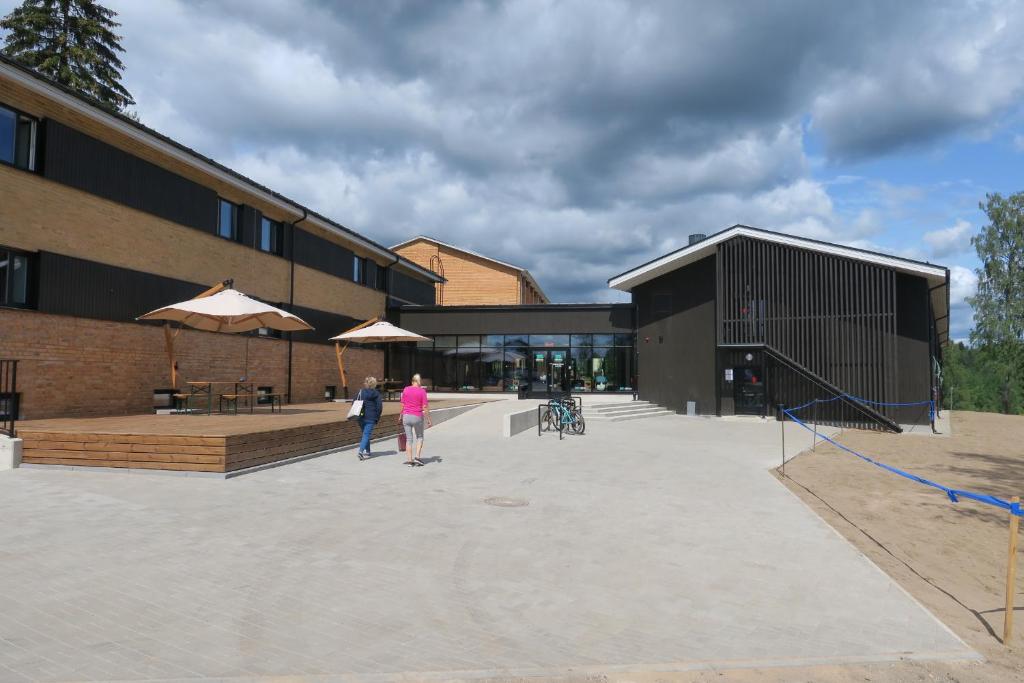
[{"x": 362, "y": 456}]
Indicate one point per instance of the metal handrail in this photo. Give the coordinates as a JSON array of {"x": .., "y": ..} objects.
[
  {"x": 871, "y": 414},
  {"x": 8, "y": 397}
]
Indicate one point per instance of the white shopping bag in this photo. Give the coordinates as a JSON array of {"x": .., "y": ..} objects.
[{"x": 357, "y": 407}]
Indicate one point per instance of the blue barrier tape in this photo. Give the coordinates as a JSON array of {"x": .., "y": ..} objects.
[
  {"x": 954, "y": 495},
  {"x": 930, "y": 404}
]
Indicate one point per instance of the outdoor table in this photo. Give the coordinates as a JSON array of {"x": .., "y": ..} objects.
[
  {"x": 205, "y": 388},
  {"x": 390, "y": 387}
]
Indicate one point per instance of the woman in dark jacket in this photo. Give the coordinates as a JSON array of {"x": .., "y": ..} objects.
[{"x": 373, "y": 405}]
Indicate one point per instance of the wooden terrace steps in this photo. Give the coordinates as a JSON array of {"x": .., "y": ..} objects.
[{"x": 198, "y": 443}]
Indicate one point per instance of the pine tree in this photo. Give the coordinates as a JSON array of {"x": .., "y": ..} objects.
[{"x": 72, "y": 42}]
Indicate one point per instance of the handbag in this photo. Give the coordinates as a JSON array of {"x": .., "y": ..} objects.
[
  {"x": 356, "y": 409},
  {"x": 403, "y": 444}
]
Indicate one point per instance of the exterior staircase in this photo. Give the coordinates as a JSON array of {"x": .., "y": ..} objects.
[{"x": 622, "y": 411}]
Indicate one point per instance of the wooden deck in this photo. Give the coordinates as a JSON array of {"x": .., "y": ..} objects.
[{"x": 199, "y": 443}]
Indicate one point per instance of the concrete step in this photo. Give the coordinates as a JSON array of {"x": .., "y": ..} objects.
[
  {"x": 613, "y": 412},
  {"x": 598, "y": 405},
  {"x": 633, "y": 416}
]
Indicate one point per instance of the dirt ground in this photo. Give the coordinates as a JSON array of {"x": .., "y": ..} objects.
[{"x": 951, "y": 557}]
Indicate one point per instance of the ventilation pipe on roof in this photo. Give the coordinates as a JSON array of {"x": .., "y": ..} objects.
[{"x": 697, "y": 237}]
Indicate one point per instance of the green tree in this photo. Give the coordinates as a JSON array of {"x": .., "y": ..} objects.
[
  {"x": 999, "y": 302},
  {"x": 71, "y": 41}
]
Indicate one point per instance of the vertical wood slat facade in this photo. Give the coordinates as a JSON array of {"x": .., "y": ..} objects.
[{"x": 833, "y": 316}]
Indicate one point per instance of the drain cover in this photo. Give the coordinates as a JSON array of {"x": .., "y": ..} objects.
[{"x": 506, "y": 502}]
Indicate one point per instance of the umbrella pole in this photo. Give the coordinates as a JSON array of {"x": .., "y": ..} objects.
[
  {"x": 169, "y": 343},
  {"x": 340, "y": 353},
  {"x": 245, "y": 370}
]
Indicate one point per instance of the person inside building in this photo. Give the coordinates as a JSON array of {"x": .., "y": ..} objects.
[
  {"x": 373, "y": 405},
  {"x": 415, "y": 409}
]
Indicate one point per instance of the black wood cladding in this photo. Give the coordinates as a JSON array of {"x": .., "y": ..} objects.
[
  {"x": 86, "y": 289},
  {"x": 409, "y": 290},
  {"x": 320, "y": 254},
  {"x": 85, "y": 163},
  {"x": 832, "y": 315}
]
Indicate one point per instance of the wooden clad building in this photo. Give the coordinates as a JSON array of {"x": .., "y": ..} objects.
[
  {"x": 747, "y": 319},
  {"x": 472, "y": 279}
]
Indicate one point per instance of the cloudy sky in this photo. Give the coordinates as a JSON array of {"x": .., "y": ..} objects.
[{"x": 580, "y": 138}]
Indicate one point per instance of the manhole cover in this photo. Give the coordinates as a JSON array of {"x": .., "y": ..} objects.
[{"x": 506, "y": 502}]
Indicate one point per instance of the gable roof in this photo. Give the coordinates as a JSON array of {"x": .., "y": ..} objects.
[
  {"x": 95, "y": 111},
  {"x": 522, "y": 270},
  {"x": 936, "y": 276}
]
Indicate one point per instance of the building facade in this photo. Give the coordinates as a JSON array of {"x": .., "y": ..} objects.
[
  {"x": 535, "y": 350},
  {"x": 102, "y": 220},
  {"x": 472, "y": 279},
  {"x": 747, "y": 319}
]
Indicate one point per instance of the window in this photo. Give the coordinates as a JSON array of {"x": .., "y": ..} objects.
[
  {"x": 227, "y": 220},
  {"x": 270, "y": 237},
  {"x": 17, "y": 139},
  {"x": 359, "y": 270},
  {"x": 549, "y": 340},
  {"x": 14, "y": 278}
]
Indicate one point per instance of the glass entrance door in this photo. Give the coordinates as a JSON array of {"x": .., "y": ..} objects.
[
  {"x": 550, "y": 371},
  {"x": 748, "y": 391}
]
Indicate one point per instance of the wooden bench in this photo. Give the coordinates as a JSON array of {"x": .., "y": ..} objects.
[
  {"x": 275, "y": 399},
  {"x": 232, "y": 401},
  {"x": 182, "y": 400}
]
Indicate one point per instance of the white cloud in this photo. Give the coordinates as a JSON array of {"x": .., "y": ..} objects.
[
  {"x": 949, "y": 241},
  {"x": 620, "y": 128},
  {"x": 963, "y": 284}
]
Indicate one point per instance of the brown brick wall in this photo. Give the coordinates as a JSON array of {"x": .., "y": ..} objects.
[
  {"x": 471, "y": 280},
  {"x": 34, "y": 104},
  {"x": 76, "y": 367},
  {"x": 39, "y": 214}
]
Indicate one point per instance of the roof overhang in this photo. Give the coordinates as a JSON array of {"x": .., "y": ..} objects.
[
  {"x": 151, "y": 139},
  {"x": 937, "y": 277}
]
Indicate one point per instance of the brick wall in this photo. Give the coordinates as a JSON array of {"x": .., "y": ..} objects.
[
  {"x": 77, "y": 367},
  {"x": 39, "y": 214}
]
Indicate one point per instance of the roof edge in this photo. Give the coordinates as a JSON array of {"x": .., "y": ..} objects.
[
  {"x": 153, "y": 139},
  {"x": 760, "y": 233}
]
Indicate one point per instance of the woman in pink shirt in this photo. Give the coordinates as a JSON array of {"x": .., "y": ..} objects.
[{"x": 414, "y": 410}]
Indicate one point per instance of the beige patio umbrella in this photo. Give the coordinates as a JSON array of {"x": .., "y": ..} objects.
[
  {"x": 221, "y": 309},
  {"x": 373, "y": 331}
]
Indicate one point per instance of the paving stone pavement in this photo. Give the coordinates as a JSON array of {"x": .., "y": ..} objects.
[{"x": 649, "y": 545}]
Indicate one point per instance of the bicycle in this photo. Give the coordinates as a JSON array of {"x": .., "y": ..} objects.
[{"x": 563, "y": 414}]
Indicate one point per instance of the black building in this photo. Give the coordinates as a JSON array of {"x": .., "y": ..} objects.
[{"x": 747, "y": 319}]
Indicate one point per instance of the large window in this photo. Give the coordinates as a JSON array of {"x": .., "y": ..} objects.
[
  {"x": 271, "y": 234},
  {"x": 584, "y": 362},
  {"x": 14, "y": 278},
  {"x": 17, "y": 139},
  {"x": 228, "y": 218},
  {"x": 359, "y": 269}
]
